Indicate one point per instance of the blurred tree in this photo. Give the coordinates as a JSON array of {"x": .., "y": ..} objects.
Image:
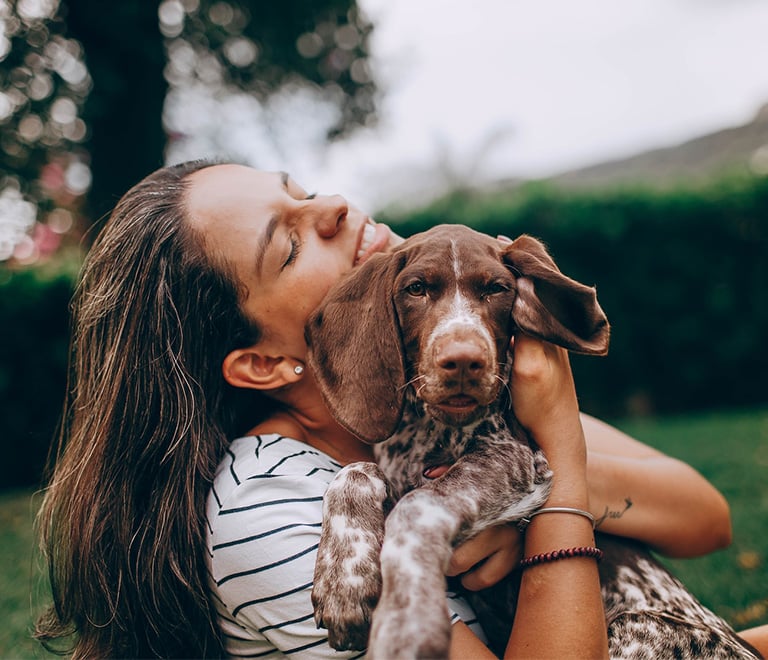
[
  {"x": 94, "y": 74},
  {"x": 43, "y": 84}
]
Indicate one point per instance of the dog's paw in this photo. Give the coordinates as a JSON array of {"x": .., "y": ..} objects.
[
  {"x": 405, "y": 629},
  {"x": 344, "y": 602},
  {"x": 541, "y": 468},
  {"x": 345, "y": 613}
]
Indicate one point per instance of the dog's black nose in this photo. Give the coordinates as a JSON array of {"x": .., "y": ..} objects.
[{"x": 459, "y": 358}]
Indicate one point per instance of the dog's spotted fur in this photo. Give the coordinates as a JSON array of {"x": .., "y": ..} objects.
[{"x": 453, "y": 297}]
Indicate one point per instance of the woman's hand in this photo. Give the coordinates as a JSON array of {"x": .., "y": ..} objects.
[
  {"x": 488, "y": 557},
  {"x": 544, "y": 396}
]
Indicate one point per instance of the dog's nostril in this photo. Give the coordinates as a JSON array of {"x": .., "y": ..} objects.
[{"x": 463, "y": 357}]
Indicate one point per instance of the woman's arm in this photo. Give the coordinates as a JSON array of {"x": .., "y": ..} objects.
[
  {"x": 639, "y": 492},
  {"x": 758, "y": 637},
  {"x": 634, "y": 491},
  {"x": 560, "y": 607}
]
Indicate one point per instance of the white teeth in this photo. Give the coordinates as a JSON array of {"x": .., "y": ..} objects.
[{"x": 368, "y": 235}]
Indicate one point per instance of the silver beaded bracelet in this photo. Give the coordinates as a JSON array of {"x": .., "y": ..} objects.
[{"x": 524, "y": 522}]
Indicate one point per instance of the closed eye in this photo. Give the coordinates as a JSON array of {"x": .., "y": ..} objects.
[{"x": 294, "y": 253}]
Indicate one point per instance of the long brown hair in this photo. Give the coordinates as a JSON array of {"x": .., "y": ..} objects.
[{"x": 147, "y": 415}]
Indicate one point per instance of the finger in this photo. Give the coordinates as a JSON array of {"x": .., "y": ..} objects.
[
  {"x": 492, "y": 570},
  {"x": 491, "y": 541},
  {"x": 473, "y": 551}
]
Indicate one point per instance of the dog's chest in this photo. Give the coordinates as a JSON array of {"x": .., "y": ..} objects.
[{"x": 422, "y": 442}]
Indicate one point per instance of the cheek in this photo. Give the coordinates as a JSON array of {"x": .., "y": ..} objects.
[{"x": 314, "y": 286}]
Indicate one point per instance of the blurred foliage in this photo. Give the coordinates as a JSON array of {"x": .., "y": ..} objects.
[
  {"x": 681, "y": 275},
  {"x": 34, "y": 337},
  {"x": 43, "y": 86},
  {"x": 262, "y": 46},
  {"x": 83, "y": 83}
]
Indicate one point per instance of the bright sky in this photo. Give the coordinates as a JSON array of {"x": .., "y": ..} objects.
[{"x": 480, "y": 90}]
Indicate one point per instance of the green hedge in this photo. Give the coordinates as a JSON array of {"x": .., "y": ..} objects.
[
  {"x": 34, "y": 335},
  {"x": 682, "y": 276}
]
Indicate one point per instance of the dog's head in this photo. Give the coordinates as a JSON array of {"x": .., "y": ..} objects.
[{"x": 437, "y": 314}]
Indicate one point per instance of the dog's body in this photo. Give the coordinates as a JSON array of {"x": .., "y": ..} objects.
[{"x": 420, "y": 372}]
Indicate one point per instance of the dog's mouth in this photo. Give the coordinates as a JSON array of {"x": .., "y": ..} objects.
[
  {"x": 458, "y": 404},
  {"x": 456, "y": 410}
]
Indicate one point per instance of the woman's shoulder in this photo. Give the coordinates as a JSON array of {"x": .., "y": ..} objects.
[
  {"x": 263, "y": 468},
  {"x": 272, "y": 455}
]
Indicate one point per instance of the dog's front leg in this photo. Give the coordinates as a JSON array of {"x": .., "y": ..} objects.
[
  {"x": 489, "y": 486},
  {"x": 347, "y": 578}
]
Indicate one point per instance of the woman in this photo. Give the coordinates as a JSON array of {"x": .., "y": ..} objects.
[{"x": 188, "y": 331}]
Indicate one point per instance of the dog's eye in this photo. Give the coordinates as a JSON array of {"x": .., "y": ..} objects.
[
  {"x": 493, "y": 288},
  {"x": 416, "y": 289}
]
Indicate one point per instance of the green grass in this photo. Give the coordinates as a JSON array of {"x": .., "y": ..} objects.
[
  {"x": 20, "y": 576},
  {"x": 730, "y": 449}
]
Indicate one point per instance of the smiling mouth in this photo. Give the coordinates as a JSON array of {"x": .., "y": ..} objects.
[
  {"x": 375, "y": 238},
  {"x": 369, "y": 234}
]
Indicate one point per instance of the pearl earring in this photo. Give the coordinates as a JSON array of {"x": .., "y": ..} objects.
[{"x": 298, "y": 370}]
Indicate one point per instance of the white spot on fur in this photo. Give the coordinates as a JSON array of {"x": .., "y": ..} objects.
[
  {"x": 461, "y": 315},
  {"x": 456, "y": 262}
]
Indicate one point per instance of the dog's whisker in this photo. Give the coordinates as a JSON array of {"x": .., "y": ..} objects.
[
  {"x": 411, "y": 382},
  {"x": 506, "y": 386}
]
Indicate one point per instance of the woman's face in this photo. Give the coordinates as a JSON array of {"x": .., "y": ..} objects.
[{"x": 286, "y": 246}]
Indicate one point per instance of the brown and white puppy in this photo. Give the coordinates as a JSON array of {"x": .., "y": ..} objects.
[{"x": 412, "y": 353}]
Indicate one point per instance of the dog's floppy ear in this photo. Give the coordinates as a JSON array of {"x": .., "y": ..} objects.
[
  {"x": 550, "y": 305},
  {"x": 356, "y": 353}
]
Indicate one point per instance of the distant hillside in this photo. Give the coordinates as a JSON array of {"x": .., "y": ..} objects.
[{"x": 739, "y": 149}]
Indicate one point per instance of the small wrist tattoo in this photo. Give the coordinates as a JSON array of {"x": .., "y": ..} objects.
[{"x": 613, "y": 514}]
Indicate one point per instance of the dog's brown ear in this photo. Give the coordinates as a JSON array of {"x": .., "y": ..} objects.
[
  {"x": 356, "y": 353},
  {"x": 550, "y": 305}
]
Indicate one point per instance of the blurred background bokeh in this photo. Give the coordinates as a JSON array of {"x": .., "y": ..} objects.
[{"x": 631, "y": 137}]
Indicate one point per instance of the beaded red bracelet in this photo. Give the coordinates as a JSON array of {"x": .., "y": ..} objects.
[{"x": 565, "y": 553}]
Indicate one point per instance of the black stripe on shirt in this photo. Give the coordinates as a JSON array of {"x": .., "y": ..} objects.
[
  {"x": 284, "y": 459},
  {"x": 260, "y": 505},
  {"x": 255, "y": 537},
  {"x": 287, "y": 623},
  {"x": 266, "y": 599},
  {"x": 264, "y": 654},
  {"x": 324, "y": 640},
  {"x": 261, "y": 569},
  {"x": 232, "y": 467}
]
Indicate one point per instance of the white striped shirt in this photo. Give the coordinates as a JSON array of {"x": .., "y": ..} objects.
[{"x": 264, "y": 515}]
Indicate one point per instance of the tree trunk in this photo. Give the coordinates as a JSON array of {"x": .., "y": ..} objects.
[{"x": 125, "y": 55}]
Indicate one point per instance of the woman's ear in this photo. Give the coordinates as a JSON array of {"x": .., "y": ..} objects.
[{"x": 248, "y": 368}]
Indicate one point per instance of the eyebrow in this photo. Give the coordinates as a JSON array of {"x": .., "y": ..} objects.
[
  {"x": 269, "y": 232},
  {"x": 265, "y": 241}
]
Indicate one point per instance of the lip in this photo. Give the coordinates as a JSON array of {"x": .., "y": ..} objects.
[
  {"x": 379, "y": 243},
  {"x": 458, "y": 405}
]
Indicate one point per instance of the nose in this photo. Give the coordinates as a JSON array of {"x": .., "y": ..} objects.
[
  {"x": 331, "y": 212},
  {"x": 460, "y": 358}
]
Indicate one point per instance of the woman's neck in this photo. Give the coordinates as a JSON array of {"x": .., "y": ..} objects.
[{"x": 306, "y": 418}]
